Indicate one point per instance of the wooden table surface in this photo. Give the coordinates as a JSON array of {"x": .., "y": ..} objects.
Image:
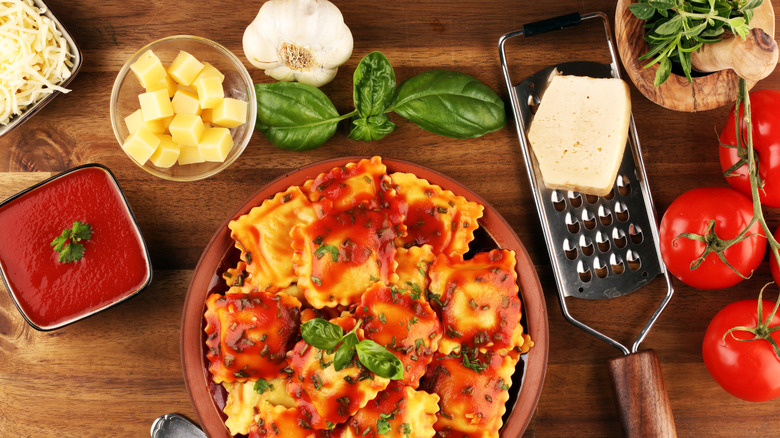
[{"x": 114, "y": 373}]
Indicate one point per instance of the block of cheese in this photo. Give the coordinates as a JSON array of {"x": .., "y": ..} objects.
[
  {"x": 229, "y": 113},
  {"x": 148, "y": 69},
  {"x": 167, "y": 83},
  {"x": 209, "y": 90},
  {"x": 209, "y": 71},
  {"x": 215, "y": 144},
  {"x": 185, "y": 68},
  {"x": 186, "y": 129},
  {"x": 579, "y": 133},
  {"x": 185, "y": 102},
  {"x": 155, "y": 105},
  {"x": 167, "y": 152},
  {"x": 141, "y": 144},
  {"x": 190, "y": 155}
]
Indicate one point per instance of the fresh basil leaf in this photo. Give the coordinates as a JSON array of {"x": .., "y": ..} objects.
[
  {"x": 371, "y": 128},
  {"x": 295, "y": 116},
  {"x": 374, "y": 85},
  {"x": 345, "y": 352},
  {"x": 450, "y": 103},
  {"x": 641, "y": 11},
  {"x": 321, "y": 333},
  {"x": 378, "y": 360}
]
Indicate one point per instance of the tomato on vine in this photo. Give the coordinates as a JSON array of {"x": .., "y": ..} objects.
[
  {"x": 705, "y": 241},
  {"x": 765, "y": 120},
  {"x": 740, "y": 349}
]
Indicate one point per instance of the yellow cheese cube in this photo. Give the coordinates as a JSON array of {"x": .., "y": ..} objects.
[
  {"x": 167, "y": 152},
  {"x": 136, "y": 120},
  {"x": 141, "y": 144},
  {"x": 189, "y": 155},
  {"x": 166, "y": 122},
  {"x": 185, "y": 68},
  {"x": 186, "y": 129},
  {"x": 155, "y": 105},
  {"x": 148, "y": 69},
  {"x": 215, "y": 144},
  {"x": 209, "y": 71},
  {"x": 185, "y": 102},
  {"x": 210, "y": 91},
  {"x": 229, "y": 113},
  {"x": 167, "y": 84},
  {"x": 207, "y": 115}
]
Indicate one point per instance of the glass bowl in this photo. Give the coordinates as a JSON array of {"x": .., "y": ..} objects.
[{"x": 237, "y": 84}]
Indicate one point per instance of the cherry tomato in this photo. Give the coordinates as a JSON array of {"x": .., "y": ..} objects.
[
  {"x": 765, "y": 117},
  {"x": 749, "y": 370},
  {"x": 692, "y": 212}
]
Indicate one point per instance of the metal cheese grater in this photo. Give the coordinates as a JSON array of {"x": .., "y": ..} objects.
[{"x": 600, "y": 247}]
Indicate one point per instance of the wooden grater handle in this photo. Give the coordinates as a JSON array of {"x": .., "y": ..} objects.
[{"x": 641, "y": 396}]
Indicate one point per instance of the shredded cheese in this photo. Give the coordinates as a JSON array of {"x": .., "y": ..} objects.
[{"x": 34, "y": 57}]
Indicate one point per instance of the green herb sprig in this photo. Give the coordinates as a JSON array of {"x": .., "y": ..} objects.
[
  {"x": 325, "y": 335},
  {"x": 67, "y": 244},
  {"x": 296, "y": 116},
  {"x": 676, "y": 28}
]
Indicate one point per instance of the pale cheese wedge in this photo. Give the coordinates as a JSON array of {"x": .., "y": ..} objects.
[{"x": 579, "y": 133}]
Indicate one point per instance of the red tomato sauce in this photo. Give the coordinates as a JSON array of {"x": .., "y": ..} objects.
[{"x": 115, "y": 264}]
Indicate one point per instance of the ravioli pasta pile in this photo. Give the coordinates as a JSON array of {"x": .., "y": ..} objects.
[{"x": 384, "y": 252}]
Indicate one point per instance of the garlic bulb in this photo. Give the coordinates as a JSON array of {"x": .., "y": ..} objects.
[{"x": 298, "y": 40}]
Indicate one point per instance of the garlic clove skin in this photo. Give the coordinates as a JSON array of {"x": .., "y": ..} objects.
[{"x": 298, "y": 40}]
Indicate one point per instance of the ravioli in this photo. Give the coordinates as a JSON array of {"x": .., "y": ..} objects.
[
  {"x": 244, "y": 398},
  {"x": 412, "y": 265},
  {"x": 477, "y": 301},
  {"x": 404, "y": 325},
  {"x": 327, "y": 396},
  {"x": 398, "y": 411},
  {"x": 248, "y": 335},
  {"x": 263, "y": 237},
  {"x": 337, "y": 257},
  {"x": 435, "y": 216},
  {"x": 473, "y": 388}
]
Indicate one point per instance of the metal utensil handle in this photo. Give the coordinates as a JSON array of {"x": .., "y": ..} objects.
[
  {"x": 175, "y": 426},
  {"x": 551, "y": 24}
]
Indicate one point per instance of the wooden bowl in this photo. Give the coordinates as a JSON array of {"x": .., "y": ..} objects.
[
  {"x": 208, "y": 398},
  {"x": 706, "y": 92}
]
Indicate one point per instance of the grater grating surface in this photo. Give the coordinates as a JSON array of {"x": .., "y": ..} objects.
[{"x": 603, "y": 247}]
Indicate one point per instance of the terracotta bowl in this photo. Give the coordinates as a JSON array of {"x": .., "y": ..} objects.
[
  {"x": 208, "y": 398},
  {"x": 706, "y": 92}
]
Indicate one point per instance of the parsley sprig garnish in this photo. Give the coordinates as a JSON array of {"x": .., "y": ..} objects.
[{"x": 67, "y": 244}]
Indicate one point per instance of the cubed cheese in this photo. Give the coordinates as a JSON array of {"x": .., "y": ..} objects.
[
  {"x": 148, "y": 69},
  {"x": 185, "y": 68},
  {"x": 155, "y": 105},
  {"x": 210, "y": 92},
  {"x": 215, "y": 144},
  {"x": 167, "y": 152},
  {"x": 136, "y": 120},
  {"x": 207, "y": 115},
  {"x": 185, "y": 102},
  {"x": 141, "y": 144},
  {"x": 189, "y": 155},
  {"x": 579, "y": 133},
  {"x": 209, "y": 71},
  {"x": 167, "y": 84},
  {"x": 186, "y": 129},
  {"x": 229, "y": 113}
]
